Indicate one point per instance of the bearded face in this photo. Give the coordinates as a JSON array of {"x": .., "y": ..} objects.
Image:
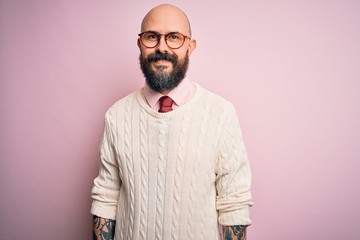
[{"x": 158, "y": 78}]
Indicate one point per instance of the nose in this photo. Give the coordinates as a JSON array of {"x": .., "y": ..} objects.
[{"x": 162, "y": 46}]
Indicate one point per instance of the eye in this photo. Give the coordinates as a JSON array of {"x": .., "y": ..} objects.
[
  {"x": 151, "y": 36},
  {"x": 173, "y": 36}
]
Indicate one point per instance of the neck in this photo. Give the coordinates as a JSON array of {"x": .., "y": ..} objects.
[{"x": 165, "y": 92}]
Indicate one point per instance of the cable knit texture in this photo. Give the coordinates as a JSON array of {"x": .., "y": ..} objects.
[{"x": 172, "y": 175}]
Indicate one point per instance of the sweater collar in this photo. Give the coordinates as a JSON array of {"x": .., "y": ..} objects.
[{"x": 178, "y": 94}]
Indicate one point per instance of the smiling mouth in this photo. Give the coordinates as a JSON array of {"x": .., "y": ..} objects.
[
  {"x": 162, "y": 65},
  {"x": 162, "y": 62}
]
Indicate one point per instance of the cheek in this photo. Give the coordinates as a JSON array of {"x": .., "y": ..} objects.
[
  {"x": 145, "y": 52},
  {"x": 182, "y": 52},
  {"x": 181, "y": 55}
]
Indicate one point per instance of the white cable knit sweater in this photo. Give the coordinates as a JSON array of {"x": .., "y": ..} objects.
[{"x": 172, "y": 175}]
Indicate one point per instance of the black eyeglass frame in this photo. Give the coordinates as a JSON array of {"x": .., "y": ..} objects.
[{"x": 165, "y": 36}]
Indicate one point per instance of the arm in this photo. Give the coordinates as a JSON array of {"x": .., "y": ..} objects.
[
  {"x": 233, "y": 181},
  {"x": 105, "y": 192},
  {"x": 103, "y": 229},
  {"x": 237, "y": 232}
]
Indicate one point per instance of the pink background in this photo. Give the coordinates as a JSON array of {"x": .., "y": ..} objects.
[{"x": 292, "y": 69}]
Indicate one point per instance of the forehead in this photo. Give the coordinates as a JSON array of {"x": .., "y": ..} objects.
[{"x": 165, "y": 20}]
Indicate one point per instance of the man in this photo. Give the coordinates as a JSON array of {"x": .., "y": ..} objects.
[{"x": 173, "y": 163}]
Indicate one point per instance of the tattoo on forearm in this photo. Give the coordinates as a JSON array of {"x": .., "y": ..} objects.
[
  {"x": 103, "y": 229},
  {"x": 237, "y": 232}
]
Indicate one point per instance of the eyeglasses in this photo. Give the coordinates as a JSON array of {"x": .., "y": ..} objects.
[{"x": 174, "y": 40}]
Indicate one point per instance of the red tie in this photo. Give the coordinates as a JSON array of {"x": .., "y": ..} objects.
[{"x": 165, "y": 104}]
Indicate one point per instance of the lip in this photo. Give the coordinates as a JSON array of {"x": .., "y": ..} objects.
[
  {"x": 162, "y": 62},
  {"x": 162, "y": 65}
]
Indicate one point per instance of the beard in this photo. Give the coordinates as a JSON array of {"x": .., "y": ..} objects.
[{"x": 158, "y": 80}]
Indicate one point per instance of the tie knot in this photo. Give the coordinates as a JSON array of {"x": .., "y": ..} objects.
[{"x": 165, "y": 104}]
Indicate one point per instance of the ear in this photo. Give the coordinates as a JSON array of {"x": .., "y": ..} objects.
[
  {"x": 192, "y": 46},
  {"x": 139, "y": 43}
]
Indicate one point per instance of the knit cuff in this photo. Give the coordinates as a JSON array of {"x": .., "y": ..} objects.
[
  {"x": 98, "y": 209},
  {"x": 238, "y": 217}
]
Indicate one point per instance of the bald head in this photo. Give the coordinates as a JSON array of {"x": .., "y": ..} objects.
[{"x": 166, "y": 18}]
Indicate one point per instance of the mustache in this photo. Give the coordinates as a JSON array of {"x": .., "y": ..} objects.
[{"x": 161, "y": 56}]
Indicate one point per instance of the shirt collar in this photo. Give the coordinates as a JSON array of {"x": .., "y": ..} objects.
[{"x": 178, "y": 94}]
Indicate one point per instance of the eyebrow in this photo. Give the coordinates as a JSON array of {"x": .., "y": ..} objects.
[{"x": 163, "y": 33}]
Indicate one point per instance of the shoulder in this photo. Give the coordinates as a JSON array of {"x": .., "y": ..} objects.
[
  {"x": 218, "y": 102},
  {"x": 120, "y": 105}
]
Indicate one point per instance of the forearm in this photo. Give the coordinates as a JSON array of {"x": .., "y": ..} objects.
[
  {"x": 103, "y": 229},
  {"x": 237, "y": 232}
]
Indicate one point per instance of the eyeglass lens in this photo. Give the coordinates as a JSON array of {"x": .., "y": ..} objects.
[{"x": 152, "y": 39}]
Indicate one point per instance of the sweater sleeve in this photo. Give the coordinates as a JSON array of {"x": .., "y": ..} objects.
[
  {"x": 105, "y": 192},
  {"x": 233, "y": 176}
]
